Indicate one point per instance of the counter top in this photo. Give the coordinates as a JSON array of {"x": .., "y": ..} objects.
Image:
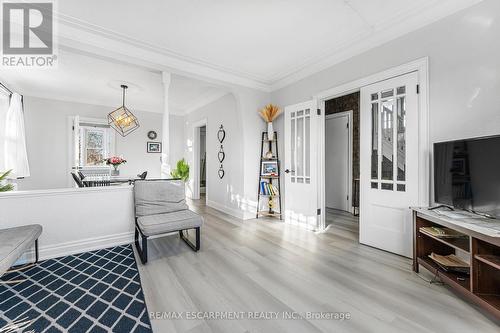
[{"x": 461, "y": 219}]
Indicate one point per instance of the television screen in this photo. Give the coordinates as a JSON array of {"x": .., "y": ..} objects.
[{"x": 467, "y": 174}]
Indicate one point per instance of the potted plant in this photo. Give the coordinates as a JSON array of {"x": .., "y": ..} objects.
[
  {"x": 4, "y": 186},
  {"x": 269, "y": 113},
  {"x": 181, "y": 171},
  {"x": 115, "y": 161}
]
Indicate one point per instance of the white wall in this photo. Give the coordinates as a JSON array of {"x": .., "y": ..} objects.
[
  {"x": 464, "y": 53},
  {"x": 69, "y": 226},
  {"x": 47, "y": 133},
  {"x": 225, "y": 194},
  {"x": 176, "y": 136}
]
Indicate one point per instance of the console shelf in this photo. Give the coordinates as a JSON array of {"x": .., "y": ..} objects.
[
  {"x": 454, "y": 280},
  {"x": 462, "y": 243},
  {"x": 480, "y": 248},
  {"x": 493, "y": 261}
]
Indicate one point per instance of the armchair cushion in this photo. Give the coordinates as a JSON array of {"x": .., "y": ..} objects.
[
  {"x": 151, "y": 225},
  {"x": 159, "y": 197},
  {"x": 14, "y": 242}
]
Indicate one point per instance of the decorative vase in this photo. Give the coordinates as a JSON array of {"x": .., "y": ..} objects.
[
  {"x": 115, "y": 171},
  {"x": 270, "y": 131}
]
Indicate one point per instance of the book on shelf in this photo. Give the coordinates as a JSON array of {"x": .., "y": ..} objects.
[
  {"x": 450, "y": 263},
  {"x": 441, "y": 232},
  {"x": 268, "y": 189}
]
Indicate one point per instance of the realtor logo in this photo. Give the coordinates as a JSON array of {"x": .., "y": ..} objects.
[{"x": 28, "y": 34}]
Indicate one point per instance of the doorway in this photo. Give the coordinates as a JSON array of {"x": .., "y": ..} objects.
[
  {"x": 202, "y": 157},
  {"x": 198, "y": 174},
  {"x": 342, "y": 161}
]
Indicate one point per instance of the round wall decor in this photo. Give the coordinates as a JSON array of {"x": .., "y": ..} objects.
[{"x": 152, "y": 135}]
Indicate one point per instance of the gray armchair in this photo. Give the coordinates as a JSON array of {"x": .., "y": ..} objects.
[{"x": 160, "y": 208}]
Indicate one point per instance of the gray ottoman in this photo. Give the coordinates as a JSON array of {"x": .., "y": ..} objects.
[{"x": 15, "y": 241}]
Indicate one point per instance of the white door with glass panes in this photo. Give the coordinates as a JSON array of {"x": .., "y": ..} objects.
[
  {"x": 301, "y": 173},
  {"x": 389, "y": 163}
]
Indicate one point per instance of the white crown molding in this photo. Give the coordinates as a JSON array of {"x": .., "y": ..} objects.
[
  {"x": 94, "y": 102},
  {"x": 412, "y": 22},
  {"x": 78, "y": 35}
]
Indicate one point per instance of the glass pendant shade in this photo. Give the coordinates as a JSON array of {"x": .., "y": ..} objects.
[{"x": 122, "y": 119}]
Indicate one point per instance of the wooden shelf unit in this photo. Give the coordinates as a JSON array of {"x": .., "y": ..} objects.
[
  {"x": 274, "y": 180},
  {"x": 482, "y": 251}
]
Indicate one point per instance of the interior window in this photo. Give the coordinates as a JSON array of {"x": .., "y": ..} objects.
[{"x": 95, "y": 144}]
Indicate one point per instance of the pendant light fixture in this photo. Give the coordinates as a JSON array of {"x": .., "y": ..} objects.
[{"x": 122, "y": 119}]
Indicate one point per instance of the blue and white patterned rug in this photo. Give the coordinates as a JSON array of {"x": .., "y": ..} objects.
[{"x": 98, "y": 291}]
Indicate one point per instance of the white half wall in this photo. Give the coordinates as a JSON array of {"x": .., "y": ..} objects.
[
  {"x": 73, "y": 220},
  {"x": 47, "y": 134}
]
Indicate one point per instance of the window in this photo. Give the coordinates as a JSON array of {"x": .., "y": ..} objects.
[
  {"x": 4, "y": 106},
  {"x": 95, "y": 144}
]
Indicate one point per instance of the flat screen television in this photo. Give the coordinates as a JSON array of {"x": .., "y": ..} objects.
[{"x": 467, "y": 174}]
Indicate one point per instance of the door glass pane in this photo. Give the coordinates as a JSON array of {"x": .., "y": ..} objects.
[
  {"x": 387, "y": 186},
  {"x": 374, "y": 185},
  {"x": 300, "y": 147},
  {"x": 387, "y": 93},
  {"x": 307, "y": 146},
  {"x": 401, "y": 145},
  {"x": 292, "y": 146},
  {"x": 401, "y": 187},
  {"x": 374, "y": 97},
  {"x": 401, "y": 90},
  {"x": 374, "y": 164},
  {"x": 387, "y": 140}
]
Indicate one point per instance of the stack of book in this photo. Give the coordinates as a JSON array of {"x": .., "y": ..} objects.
[
  {"x": 268, "y": 189},
  {"x": 441, "y": 232}
]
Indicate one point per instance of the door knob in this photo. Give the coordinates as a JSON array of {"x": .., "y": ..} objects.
[{"x": 288, "y": 171}]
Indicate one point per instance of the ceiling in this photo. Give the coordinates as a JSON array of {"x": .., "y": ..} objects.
[
  {"x": 91, "y": 80},
  {"x": 271, "y": 43},
  {"x": 263, "y": 44}
]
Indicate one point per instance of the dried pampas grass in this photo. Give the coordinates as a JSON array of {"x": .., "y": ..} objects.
[{"x": 270, "y": 112}]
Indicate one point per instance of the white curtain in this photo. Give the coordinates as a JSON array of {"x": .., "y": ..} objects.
[{"x": 16, "y": 157}]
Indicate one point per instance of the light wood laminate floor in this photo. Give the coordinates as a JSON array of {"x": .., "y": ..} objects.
[{"x": 265, "y": 265}]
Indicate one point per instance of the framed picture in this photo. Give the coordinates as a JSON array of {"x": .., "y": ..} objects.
[
  {"x": 154, "y": 147},
  {"x": 269, "y": 168}
]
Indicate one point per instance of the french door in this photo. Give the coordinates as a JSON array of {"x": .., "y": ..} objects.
[
  {"x": 389, "y": 160},
  {"x": 301, "y": 165}
]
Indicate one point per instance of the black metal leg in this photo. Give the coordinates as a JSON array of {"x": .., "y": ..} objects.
[
  {"x": 143, "y": 253},
  {"x": 188, "y": 242},
  {"x": 36, "y": 251}
]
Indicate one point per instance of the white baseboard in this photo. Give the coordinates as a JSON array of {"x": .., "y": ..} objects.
[
  {"x": 238, "y": 213},
  {"x": 84, "y": 245}
]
